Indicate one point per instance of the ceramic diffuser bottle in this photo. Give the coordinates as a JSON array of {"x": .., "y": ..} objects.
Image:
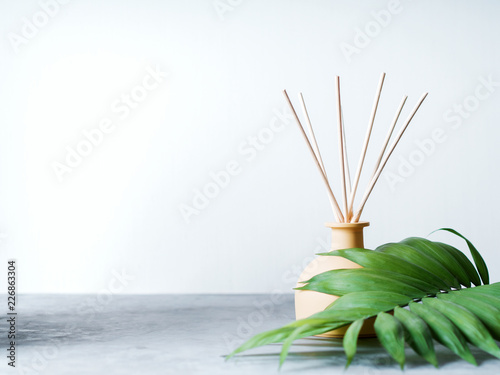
[
  {"x": 347, "y": 232},
  {"x": 307, "y": 302}
]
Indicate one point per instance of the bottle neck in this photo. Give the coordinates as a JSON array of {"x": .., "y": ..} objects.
[{"x": 347, "y": 235}]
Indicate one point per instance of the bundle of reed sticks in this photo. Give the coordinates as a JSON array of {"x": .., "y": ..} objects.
[{"x": 349, "y": 190}]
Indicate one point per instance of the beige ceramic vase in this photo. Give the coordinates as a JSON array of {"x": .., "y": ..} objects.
[{"x": 307, "y": 302}]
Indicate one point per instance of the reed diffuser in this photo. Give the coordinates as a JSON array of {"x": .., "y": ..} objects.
[
  {"x": 410, "y": 292},
  {"x": 347, "y": 232}
]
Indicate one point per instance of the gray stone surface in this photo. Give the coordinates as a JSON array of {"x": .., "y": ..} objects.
[{"x": 186, "y": 334}]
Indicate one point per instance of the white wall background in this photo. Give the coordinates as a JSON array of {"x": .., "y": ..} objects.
[{"x": 119, "y": 209}]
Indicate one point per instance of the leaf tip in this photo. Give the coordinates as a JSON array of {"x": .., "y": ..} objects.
[{"x": 348, "y": 363}]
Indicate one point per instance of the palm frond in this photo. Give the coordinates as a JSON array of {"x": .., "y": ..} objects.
[{"x": 418, "y": 290}]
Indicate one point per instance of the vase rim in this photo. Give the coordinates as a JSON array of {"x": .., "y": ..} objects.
[{"x": 360, "y": 224}]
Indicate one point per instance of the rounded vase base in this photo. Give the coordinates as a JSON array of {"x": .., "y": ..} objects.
[{"x": 308, "y": 302}]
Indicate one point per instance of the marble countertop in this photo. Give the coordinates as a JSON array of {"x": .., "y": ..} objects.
[{"x": 187, "y": 334}]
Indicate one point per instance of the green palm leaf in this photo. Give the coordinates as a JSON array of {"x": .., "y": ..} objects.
[
  {"x": 485, "y": 293},
  {"x": 351, "y": 340},
  {"x": 464, "y": 262},
  {"x": 299, "y": 332},
  {"x": 490, "y": 289},
  {"x": 344, "y": 281},
  {"x": 414, "y": 256},
  {"x": 487, "y": 312},
  {"x": 478, "y": 259},
  {"x": 434, "y": 251},
  {"x": 382, "y": 261},
  {"x": 468, "y": 323},
  {"x": 391, "y": 334},
  {"x": 393, "y": 280},
  {"x": 444, "y": 331},
  {"x": 419, "y": 335},
  {"x": 375, "y": 300}
]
